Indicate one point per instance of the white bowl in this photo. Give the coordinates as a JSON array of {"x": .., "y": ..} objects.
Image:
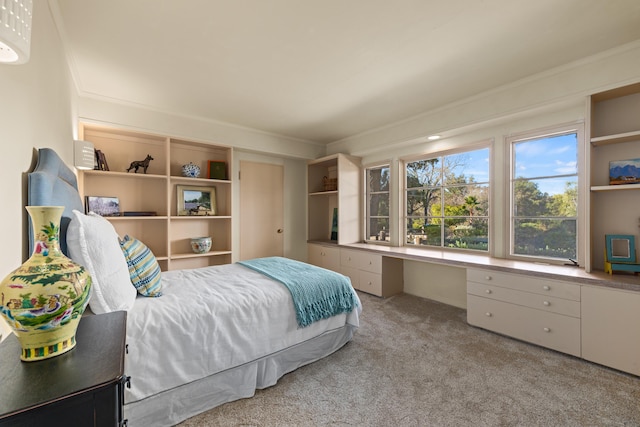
[{"x": 201, "y": 245}]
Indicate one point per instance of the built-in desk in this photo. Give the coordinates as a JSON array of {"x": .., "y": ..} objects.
[{"x": 590, "y": 315}]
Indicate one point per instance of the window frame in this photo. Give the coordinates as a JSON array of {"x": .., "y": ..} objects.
[
  {"x": 581, "y": 217},
  {"x": 367, "y": 216},
  {"x": 485, "y": 144}
]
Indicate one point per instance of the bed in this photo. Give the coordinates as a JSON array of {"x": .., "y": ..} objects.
[{"x": 202, "y": 337}]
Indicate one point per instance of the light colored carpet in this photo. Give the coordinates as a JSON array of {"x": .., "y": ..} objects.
[{"x": 416, "y": 362}]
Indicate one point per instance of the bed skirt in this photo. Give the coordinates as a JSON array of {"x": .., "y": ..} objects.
[{"x": 176, "y": 405}]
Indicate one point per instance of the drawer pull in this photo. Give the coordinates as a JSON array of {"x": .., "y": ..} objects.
[
  {"x": 546, "y": 287},
  {"x": 488, "y": 314},
  {"x": 487, "y": 277},
  {"x": 370, "y": 263},
  {"x": 547, "y": 303},
  {"x": 488, "y": 291},
  {"x": 546, "y": 329}
]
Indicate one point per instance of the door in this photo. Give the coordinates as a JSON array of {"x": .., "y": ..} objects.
[{"x": 261, "y": 210}]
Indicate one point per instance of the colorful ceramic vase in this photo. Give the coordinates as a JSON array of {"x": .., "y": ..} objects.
[
  {"x": 190, "y": 170},
  {"x": 201, "y": 245},
  {"x": 43, "y": 299}
]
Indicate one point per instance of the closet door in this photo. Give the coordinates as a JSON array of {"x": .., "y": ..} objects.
[{"x": 261, "y": 210}]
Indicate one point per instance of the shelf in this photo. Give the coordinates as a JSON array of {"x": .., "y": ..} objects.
[
  {"x": 198, "y": 181},
  {"x": 207, "y": 254},
  {"x": 615, "y": 187},
  {"x": 137, "y": 218},
  {"x": 195, "y": 217},
  {"x": 157, "y": 191},
  {"x": 323, "y": 193},
  {"x": 615, "y": 139},
  {"x": 112, "y": 174}
]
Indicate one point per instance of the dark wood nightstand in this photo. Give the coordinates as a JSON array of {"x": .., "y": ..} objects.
[{"x": 83, "y": 387}]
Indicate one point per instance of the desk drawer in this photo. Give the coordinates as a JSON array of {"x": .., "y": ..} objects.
[
  {"x": 527, "y": 283},
  {"x": 540, "y": 302},
  {"x": 539, "y": 327},
  {"x": 370, "y": 282},
  {"x": 361, "y": 260}
]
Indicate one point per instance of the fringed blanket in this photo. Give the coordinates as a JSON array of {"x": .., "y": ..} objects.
[{"x": 317, "y": 293}]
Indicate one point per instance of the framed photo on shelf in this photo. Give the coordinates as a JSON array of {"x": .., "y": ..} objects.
[
  {"x": 620, "y": 248},
  {"x": 194, "y": 201},
  {"x": 624, "y": 172},
  {"x": 103, "y": 206},
  {"x": 216, "y": 169}
]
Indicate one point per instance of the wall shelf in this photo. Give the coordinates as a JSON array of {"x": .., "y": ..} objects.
[
  {"x": 615, "y": 139},
  {"x": 615, "y": 187},
  {"x": 167, "y": 234}
]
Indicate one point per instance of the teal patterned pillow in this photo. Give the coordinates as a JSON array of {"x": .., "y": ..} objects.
[{"x": 143, "y": 267}]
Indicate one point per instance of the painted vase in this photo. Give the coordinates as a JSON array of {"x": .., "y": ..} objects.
[
  {"x": 190, "y": 170},
  {"x": 43, "y": 299},
  {"x": 201, "y": 245}
]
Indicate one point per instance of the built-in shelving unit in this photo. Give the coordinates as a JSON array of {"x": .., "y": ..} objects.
[
  {"x": 614, "y": 134},
  {"x": 345, "y": 198},
  {"x": 166, "y": 233}
]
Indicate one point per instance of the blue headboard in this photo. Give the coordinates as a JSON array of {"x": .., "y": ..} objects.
[{"x": 53, "y": 183}]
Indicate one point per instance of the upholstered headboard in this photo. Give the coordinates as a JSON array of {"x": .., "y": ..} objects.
[{"x": 53, "y": 183}]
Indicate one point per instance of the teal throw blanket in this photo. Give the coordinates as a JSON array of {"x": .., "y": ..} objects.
[{"x": 317, "y": 293}]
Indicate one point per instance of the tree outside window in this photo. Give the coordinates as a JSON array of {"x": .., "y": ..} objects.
[
  {"x": 544, "y": 196},
  {"x": 378, "y": 204},
  {"x": 447, "y": 201}
]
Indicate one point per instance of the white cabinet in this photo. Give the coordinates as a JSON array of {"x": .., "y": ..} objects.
[
  {"x": 324, "y": 256},
  {"x": 610, "y": 319},
  {"x": 540, "y": 311},
  {"x": 372, "y": 273}
]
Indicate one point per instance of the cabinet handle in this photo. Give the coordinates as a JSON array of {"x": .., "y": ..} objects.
[
  {"x": 487, "y": 277},
  {"x": 488, "y": 291},
  {"x": 546, "y": 329},
  {"x": 349, "y": 258},
  {"x": 547, "y": 303},
  {"x": 488, "y": 314},
  {"x": 546, "y": 287},
  {"x": 370, "y": 263}
]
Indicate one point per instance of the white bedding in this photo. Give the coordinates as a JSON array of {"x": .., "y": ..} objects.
[{"x": 210, "y": 320}]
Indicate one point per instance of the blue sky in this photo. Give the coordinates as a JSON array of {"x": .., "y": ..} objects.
[{"x": 555, "y": 155}]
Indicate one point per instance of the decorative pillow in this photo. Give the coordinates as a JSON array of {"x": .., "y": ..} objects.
[
  {"x": 93, "y": 243},
  {"x": 143, "y": 267}
]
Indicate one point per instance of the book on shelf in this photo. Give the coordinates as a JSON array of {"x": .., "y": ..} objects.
[
  {"x": 101, "y": 161},
  {"x": 139, "y": 213}
]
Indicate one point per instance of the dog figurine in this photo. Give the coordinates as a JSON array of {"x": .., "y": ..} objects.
[{"x": 144, "y": 164}]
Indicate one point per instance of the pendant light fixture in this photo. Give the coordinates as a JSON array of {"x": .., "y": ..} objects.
[{"x": 15, "y": 31}]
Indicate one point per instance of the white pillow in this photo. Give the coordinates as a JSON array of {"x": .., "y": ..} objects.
[{"x": 93, "y": 243}]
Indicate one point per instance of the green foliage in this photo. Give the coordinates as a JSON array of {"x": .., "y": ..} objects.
[{"x": 461, "y": 206}]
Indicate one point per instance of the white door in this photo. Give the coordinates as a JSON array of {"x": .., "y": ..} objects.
[{"x": 261, "y": 210}]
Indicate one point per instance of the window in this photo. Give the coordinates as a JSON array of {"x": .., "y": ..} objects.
[
  {"x": 378, "y": 204},
  {"x": 447, "y": 201},
  {"x": 544, "y": 196}
]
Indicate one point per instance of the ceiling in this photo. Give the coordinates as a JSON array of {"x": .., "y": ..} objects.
[{"x": 324, "y": 70}]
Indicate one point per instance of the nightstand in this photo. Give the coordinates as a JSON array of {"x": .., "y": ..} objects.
[{"x": 83, "y": 387}]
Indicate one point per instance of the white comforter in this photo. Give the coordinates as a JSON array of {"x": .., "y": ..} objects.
[{"x": 209, "y": 320}]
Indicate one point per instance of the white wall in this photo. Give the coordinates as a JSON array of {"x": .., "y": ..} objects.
[{"x": 35, "y": 112}]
